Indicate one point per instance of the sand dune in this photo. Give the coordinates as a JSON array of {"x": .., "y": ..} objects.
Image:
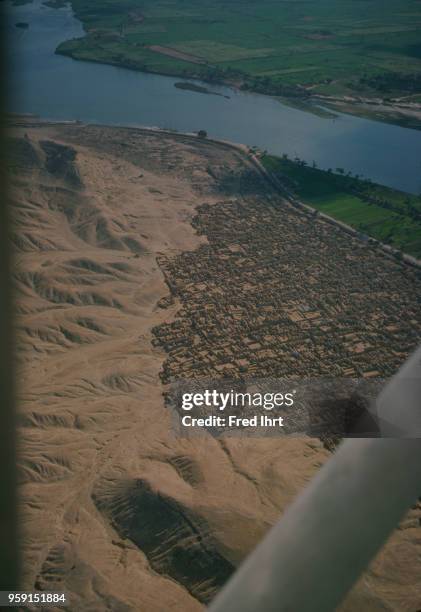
[{"x": 116, "y": 509}]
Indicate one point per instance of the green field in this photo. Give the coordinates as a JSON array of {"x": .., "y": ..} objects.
[
  {"x": 280, "y": 47},
  {"x": 391, "y": 216}
]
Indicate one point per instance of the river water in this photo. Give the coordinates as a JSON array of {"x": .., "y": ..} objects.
[{"x": 56, "y": 87}]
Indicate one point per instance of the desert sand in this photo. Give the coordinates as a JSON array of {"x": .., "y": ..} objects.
[{"x": 116, "y": 509}]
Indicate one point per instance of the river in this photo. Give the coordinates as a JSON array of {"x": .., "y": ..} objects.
[{"x": 60, "y": 88}]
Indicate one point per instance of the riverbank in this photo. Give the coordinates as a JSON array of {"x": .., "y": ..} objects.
[
  {"x": 390, "y": 217},
  {"x": 405, "y": 115},
  {"x": 231, "y": 47}
]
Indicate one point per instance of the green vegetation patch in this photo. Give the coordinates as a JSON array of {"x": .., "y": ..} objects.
[
  {"x": 219, "y": 52},
  {"x": 273, "y": 46},
  {"x": 391, "y": 216}
]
